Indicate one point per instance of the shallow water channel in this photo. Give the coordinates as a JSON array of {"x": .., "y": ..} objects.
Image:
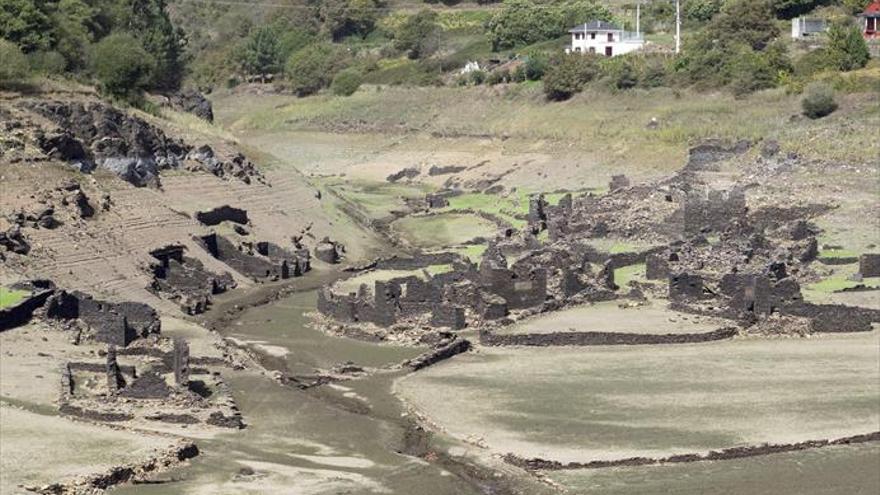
[{"x": 338, "y": 438}]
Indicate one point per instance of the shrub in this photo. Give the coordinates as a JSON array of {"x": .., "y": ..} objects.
[
  {"x": 498, "y": 77},
  {"x": 750, "y": 71},
  {"x": 121, "y": 65},
  {"x": 346, "y": 82},
  {"x": 535, "y": 67},
  {"x": 569, "y": 75},
  {"x": 620, "y": 72},
  {"x": 818, "y": 100},
  {"x": 519, "y": 73},
  {"x": 477, "y": 77},
  {"x": 653, "y": 72},
  {"x": 47, "y": 62},
  {"x": 14, "y": 65},
  {"x": 313, "y": 67}
]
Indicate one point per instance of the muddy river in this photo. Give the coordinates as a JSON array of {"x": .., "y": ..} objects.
[{"x": 338, "y": 438}]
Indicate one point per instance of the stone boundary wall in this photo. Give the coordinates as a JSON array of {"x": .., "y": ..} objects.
[
  {"x": 601, "y": 338},
  {"x": 457, "y": 346},
  {"x": 537, "y": 464},
  {"x": 21, "y": 313}
]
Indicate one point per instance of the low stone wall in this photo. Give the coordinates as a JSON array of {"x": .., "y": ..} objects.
[
  {"x": 538, "y": 464},
  {"x": 457, "y": 346},
  {"x": 601, "y": 338}
]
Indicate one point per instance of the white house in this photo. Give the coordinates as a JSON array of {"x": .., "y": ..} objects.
[{"x": 603, "y": 38}]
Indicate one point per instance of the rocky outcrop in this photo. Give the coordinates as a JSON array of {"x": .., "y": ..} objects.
[
  {"x": 95, "y": 134},
  {"x": 13, "y": 241},
  {"x": 192, "y": 101},
  {"x": 90, "y": 135}
]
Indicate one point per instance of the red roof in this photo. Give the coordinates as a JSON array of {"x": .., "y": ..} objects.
[{"x": 874, "y": 8}]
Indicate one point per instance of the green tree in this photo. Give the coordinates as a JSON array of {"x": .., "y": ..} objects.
[
  {"x": 26, "y": 23},
  {"x": 417, "y": 35},
  {"x": 260, "y": 52},
  {"x": 744, "y": 21},
  {"x": 13, "y": 64},
  {"x": 76, "y": 23},
  {"x": 568, "y": 74},
  {"x": 788, "y": 9},
  {"x": 847, "y": 49},
  {"x": 346, "y": 82},
  {"x": 700, "y": 10},
  {"x": 313, "y": 67},
  {"x": 340, "y": 18},
  {"x": 121, "y": 65},
  {"x": 150, "y": 23},
  {"x": 521, "y": 22}
]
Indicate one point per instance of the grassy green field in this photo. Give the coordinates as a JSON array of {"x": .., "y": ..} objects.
[
  {"x": 445, "y": 229},
  {"x": 622, "y": 401},
  {"x": 611, "y": 123},
  {"x": 8, "y": 297}
]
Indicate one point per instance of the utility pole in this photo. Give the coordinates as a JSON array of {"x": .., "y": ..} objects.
[
  {"x": 638, "y": 13},
  {"x": 677, "y": 26}
]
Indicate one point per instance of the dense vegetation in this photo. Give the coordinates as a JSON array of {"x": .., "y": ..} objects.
[{"x": 128, "y": 46}]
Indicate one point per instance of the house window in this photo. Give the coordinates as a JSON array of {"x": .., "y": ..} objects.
[
  {"x": 592, "y": 49},
  {"x": 592, "y": 36},
  {"x": 577, "y": 49},
  {"x": 610, "y": 36}
]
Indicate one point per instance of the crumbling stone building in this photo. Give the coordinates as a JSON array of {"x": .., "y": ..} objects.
[{"x": 259, "y": 261}]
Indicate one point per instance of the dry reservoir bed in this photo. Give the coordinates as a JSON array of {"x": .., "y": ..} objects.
[
  {"x": 38, "y": 449},
  {"x": 614, "y": 402},
  {"x": 653, "y": 318}
]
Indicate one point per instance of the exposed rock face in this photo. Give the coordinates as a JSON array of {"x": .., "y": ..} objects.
[
  {"x": 94, "y": 134},
  {"x": 90, "y": 135},
  {"x": 194, "y": 102}
]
